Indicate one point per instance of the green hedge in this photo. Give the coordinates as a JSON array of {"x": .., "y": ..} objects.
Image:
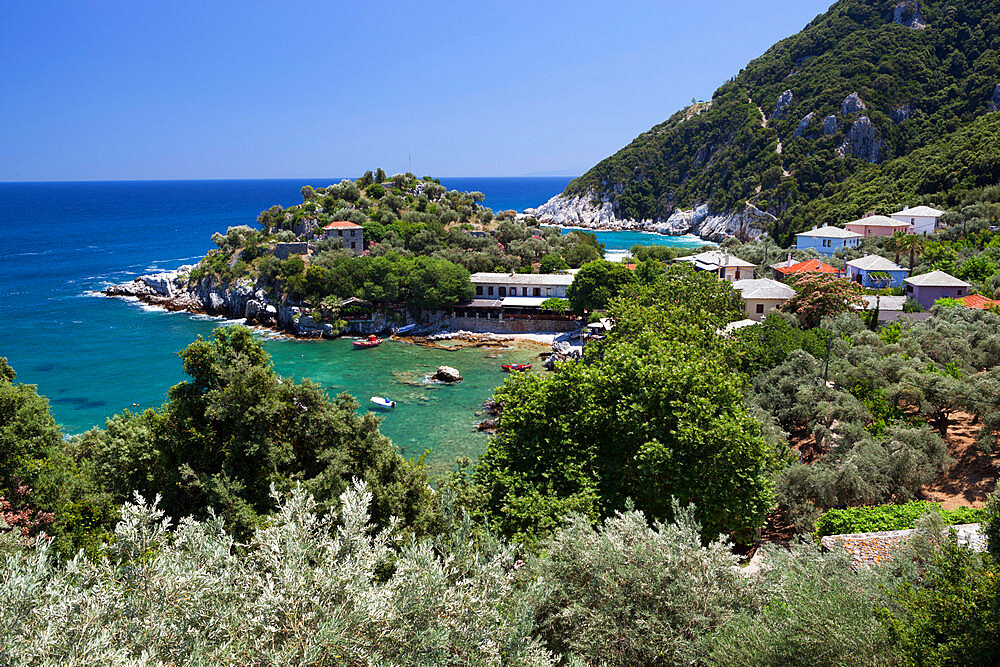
[{"x": 889, "y": 517}]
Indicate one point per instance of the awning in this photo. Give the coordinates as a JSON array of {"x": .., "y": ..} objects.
[{"x": 524, "y": 301}]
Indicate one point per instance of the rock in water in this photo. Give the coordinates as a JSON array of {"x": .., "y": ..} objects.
[{"x": 447, "y": 374}]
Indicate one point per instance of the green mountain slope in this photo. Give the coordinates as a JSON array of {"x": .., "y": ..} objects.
[{"x": 807, "y": 130}]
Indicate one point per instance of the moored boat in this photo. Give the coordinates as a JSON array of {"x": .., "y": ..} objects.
[
  {"x": 515, "y": 367},
  {"x": 371, "y": 341},
  {"x": 383, "y": 402}
]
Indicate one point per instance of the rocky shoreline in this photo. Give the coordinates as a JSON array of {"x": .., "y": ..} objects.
[
  {"x": 174, "y": 291},
  {"x": 580, "y": 211}
]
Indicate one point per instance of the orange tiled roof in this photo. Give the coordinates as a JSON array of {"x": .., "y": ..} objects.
[
  {"x": 979, "y": 301},
  {"x": 814, "y": 265},
  {"x": 342, "y": 224}
]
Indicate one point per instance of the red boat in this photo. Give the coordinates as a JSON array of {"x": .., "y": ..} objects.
[
  {"x": 516, "y": 367},
  {"x": 371, "y": 341}
]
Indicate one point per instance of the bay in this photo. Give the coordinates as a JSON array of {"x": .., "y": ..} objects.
[{"x": 93, "y": 357}]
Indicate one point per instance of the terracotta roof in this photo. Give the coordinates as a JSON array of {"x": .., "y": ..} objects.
[
  {"x": 979, "y": 301},
  {"x": 342, "y": 224},
  {"x": 810, "y": 265}
]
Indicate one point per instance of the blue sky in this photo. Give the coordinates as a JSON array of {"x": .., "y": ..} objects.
[{"x": 95, "y": 89}]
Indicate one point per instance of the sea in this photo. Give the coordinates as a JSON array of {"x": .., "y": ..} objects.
[{"x": 93, "y": 357}]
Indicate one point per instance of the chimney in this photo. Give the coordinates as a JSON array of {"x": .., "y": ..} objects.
[
  {"x": 789, "y": 260},
  {"x": 824, "y": 225},
  {"x": 906, "y": 208}
]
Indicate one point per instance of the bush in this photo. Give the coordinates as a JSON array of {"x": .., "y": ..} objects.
[{"x": 890, "y": 517}]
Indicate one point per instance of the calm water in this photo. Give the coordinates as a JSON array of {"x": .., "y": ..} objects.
[{"x": 94, "y": 357}]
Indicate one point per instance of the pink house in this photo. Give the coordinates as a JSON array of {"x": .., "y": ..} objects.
[{"x": 877, "y": 225}]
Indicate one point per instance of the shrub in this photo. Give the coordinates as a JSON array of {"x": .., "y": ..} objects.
[{"x": 889, "y": 517}]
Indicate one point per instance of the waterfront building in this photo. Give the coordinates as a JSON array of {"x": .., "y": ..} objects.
[
  {"x": 350, "y": 235},
  {"x": 922, "y": 220},
  {"x": 876, "y": 272},
  {"x": 725, "y": 266},
  {"x": 827, "y": 240},
  {"x": 540, "y": 286},
  {"x": 877, "y": 225},
  {"x": 762, "y": 295},
  {"x": 929, "y": 287}
]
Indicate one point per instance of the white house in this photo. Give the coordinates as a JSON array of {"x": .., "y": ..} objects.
[
  {"x": 536, "y": 287},
  {"x": 762, "y": 296},
  {"x": 923, "y": 220},
  {"x": 827, "y": 240},
  {"x": 721, "y": 263}
]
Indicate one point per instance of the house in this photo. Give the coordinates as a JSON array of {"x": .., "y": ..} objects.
[
  {"x": 827, "y": 240},
  {"x": 877, "y": 225},
  {"x": 929, "y": 287},
  {"x": 876, "y": 272},
  {"x": 539, "y": 286},
  {"x": 787, "y": 269},
  {"x": 351, "y": 235},
  {"x": 922, "y": 220},
  {"x": 979, "y": 302},
  {"x": 720, "y": 262},
  {"x": 762, "y": 295}
]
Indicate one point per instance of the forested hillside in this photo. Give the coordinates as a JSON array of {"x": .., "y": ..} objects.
[{"x": 871, "y": 92}]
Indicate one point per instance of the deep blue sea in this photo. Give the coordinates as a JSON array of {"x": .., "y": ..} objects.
[{"x": 94, "y": 357}]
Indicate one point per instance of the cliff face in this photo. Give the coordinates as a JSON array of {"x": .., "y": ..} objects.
[
  {"x": 579, "y": 211},
  {"x": 241, "y": 300},
  {"x": 866, "y": 83}
]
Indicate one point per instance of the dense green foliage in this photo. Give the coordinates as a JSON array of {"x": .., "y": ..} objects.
[
  {"x": 889, "y": 517},
  {"x": 653, "y": 412},
  {"x": 927, "y": 94},
  {"x": 224, "y": 442},
  {"x": 421, "y": 242}
]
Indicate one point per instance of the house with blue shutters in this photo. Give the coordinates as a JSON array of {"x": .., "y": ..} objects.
[
  {"x": 827, "y": 240},
  {"x": 875, "y": 272}
]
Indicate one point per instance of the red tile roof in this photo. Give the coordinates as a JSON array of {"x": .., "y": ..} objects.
[
  {"x": 979, "y": 301},
  {"x": 810, "y": 265},
  {"x": 342, "y": 224}
]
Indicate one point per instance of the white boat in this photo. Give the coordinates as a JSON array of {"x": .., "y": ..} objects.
[{"x": 383, "y": 402}]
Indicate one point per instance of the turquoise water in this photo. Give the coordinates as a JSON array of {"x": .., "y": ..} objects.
[
  {"x": 94, "y": 357},
  {"x": 618, "y": 242}
]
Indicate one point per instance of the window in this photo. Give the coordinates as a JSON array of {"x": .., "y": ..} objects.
[
  {"x": 548, "y": 291},
  {"x": 737, "y": 274},
  {"x": 909, "y": 288},
  {"x": 503, "y": 291},
  {"x": 491, "y": 290},
  {"x": 340, "y": 233},
  {"x": 760, "y": 308},
  {"x": 524, "y": 291},
  {"x": 537, "y": 291},
  {"x": 479, "y": 290},
  {"x": 352, "y": 232},
  {"x": 354, "y": 245},
  {"x": 960, "y": 291}
]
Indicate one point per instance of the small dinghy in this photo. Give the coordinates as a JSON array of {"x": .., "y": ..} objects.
[
  {"x": 371, "y": 341},
  {"x": 383, "y": 402},
  {"x": 516, "y": 367}
]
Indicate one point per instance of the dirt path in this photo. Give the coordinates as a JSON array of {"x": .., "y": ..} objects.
[{"x": 974, "y": 476}]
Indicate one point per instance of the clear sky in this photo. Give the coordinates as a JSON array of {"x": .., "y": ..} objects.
[{"x": 93, "y": 89}]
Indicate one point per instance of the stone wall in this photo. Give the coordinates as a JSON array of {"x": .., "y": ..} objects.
[{"x": 505, "y": 325}]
